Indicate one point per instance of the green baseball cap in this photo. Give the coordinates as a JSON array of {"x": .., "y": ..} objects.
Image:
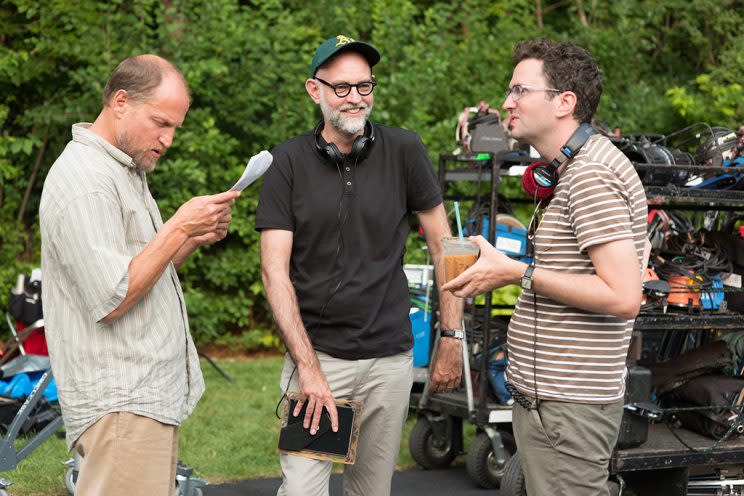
[{"x": 337, "y": 44}]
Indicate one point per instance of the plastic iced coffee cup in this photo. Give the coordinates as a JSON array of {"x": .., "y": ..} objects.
[{"x": 459, "y": 254}]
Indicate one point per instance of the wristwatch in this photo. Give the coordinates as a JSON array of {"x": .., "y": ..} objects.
[
  {"x": 453, "y": 333},
  {"x": 526, "y": 282}
]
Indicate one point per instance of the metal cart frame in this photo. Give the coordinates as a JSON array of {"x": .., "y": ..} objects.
[{"x": 437, "y": 436}]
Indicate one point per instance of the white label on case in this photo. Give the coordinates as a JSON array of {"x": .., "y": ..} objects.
[
  {"x": 509, "y": 245},
  {"x": 732, "y": 280}
]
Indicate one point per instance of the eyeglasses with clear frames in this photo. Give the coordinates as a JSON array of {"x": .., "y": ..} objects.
[
  {"x": 343, "y": 89},
  {"x": 518, "y": 91}
]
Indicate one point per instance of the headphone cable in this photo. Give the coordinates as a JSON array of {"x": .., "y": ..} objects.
[
  {"x": 329, "y": 293},
  {"x": 534, "y": 307}
]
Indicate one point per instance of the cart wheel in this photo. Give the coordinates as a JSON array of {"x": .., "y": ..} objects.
[
  {"x": 428, "y": 451},
  {"x": 70, "y": 480},
  {"x": 512, "y": 483},
  {"x": 481, "y": 463}
]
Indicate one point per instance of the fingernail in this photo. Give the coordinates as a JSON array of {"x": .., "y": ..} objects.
[{"x": 312, "y": 431}]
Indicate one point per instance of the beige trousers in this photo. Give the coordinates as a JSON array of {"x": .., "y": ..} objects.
[
  {"x": 384, "y": 386},
  {"x": 126, "y": 454},
  {"x": 565, "y": 448}
]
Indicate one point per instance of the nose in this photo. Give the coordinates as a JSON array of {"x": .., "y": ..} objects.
[
  {"x": 166, "y": 138},
  {"x": 508, "y": 102},
  {"x": 354, "y": 96}
]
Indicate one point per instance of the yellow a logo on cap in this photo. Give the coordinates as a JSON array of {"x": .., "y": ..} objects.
[{"x": 343, "y": 40}]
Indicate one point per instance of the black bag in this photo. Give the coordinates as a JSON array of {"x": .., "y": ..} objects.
[
  {"x": 634, "y": 428},
  {"x": 25, "y": 306},
  {"x": 487, "y": 134},
  {"x": 707, "y": 390},
  {"x": 40, "y": 416}
]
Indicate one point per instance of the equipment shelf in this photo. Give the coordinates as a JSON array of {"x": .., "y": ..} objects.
[{"x": 661, "y": 465}]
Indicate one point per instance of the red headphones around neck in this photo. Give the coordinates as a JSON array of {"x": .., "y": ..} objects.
[{"x": 540, "y": 178}]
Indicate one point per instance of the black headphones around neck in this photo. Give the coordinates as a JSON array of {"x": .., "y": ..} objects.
[
  {"x": 546, "y": 176},
  {"x": 359, "y": 149}
]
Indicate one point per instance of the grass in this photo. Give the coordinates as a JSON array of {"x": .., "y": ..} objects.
[{"x": 231, "y": 435}]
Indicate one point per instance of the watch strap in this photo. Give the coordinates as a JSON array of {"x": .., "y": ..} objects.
[{"x": 453, "y": 333}]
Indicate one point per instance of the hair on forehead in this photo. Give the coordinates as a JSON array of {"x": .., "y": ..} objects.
[{"x": 140, "y": 76}]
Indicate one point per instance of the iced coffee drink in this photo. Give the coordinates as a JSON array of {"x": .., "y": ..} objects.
[{"x": 459, "y": 254}]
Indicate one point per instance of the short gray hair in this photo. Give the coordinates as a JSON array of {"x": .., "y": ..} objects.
[{"x": 140, "y": 76}]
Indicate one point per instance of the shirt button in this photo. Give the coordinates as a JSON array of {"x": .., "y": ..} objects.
[
  {"x": 348, "y": 169},
  {"x": 348, "y": 183}
]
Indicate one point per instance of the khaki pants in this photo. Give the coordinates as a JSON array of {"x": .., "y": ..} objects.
[
  {"x": 127, "y": 454},
  {"x": 565, "y": 449},
  {"x": 384, "y": 385}
]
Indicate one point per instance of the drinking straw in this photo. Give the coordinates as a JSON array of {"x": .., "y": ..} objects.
[{"x": 459, "y": 222}]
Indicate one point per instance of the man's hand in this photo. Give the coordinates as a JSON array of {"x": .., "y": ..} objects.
[
  {"x": 315, "y": 391},
  {"x": 446, "y": 366},
  {"x": 212, "y": 237},
  {"x": 493, "y": 269},
  {"x": 206, "y": 217}
]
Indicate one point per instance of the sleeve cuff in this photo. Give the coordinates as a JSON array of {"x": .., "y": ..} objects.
[
  {"x": 600, "y": 240},
  {"x": 429, "y": 203},
  {"x": 101, "y": 310}
]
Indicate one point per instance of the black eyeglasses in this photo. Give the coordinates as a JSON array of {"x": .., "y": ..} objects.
[
  {"x": 518, "y": 90},
  {"x": 342, "y": 89}
]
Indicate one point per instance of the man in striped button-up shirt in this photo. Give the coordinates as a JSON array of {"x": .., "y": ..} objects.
[
  {"x": 569, "y": 335},
  {"x": 116, "y": 324}
]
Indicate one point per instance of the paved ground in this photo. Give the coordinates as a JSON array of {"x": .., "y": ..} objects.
[{"x": 445, "y": 482}]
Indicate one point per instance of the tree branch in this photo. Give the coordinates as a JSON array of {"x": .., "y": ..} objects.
[
  {"x": 582, "y": 15},
  {"x": 32, "y": 180},
  {"x": 555, "y": 6},
  {"x": 539, "y": 14},
  {"x": 592, "y": 11}
]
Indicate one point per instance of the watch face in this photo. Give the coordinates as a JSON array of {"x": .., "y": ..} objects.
[{"x": 526, "y": 281}]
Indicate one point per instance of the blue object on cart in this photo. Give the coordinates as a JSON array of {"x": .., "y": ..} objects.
[
  {"x": 712, "y": 299},
  {"x": 21, "y": 385},
  {"x": 510, "y": 239},
  {"x": 421, "y": 334}
]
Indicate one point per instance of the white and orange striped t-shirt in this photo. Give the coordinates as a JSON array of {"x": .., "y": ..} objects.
[{"x": 580, "y": 355}]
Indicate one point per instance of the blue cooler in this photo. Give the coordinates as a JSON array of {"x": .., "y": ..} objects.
[
  {"x": 510, "y": 239},
  {"x": 421, "y": 333}
]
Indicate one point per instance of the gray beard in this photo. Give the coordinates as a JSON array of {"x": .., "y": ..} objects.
[
  {"x": 349, "y": 126},
  {"x": 141, "y": 161}
]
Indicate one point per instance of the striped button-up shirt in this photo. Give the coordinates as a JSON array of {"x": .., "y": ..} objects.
[{"x": 96, "y": 214}]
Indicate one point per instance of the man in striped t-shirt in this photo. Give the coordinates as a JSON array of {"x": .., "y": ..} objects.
[{"x": 569, "y": 335}]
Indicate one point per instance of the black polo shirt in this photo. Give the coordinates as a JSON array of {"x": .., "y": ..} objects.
[{"x": 350, "y": 224}]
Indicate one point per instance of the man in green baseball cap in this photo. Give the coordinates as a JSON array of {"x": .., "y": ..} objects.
[{"x": 333, "y": 216}]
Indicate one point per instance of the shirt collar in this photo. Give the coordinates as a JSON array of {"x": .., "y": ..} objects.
[{"x": 82, "y": 134}]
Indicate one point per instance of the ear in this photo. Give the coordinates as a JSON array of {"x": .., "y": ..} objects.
[
  {"x": 120, "y": 102},
  {"x": 311, "y": 85},
  {"x": 566, "y": 103}
]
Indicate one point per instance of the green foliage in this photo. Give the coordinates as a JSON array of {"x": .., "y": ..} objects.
[
  {"x": 723, "y": 101},
  {"x": 665, "y": 63}
]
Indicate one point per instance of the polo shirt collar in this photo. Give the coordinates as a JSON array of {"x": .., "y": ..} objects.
[{"x": 82, "y": 134}]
